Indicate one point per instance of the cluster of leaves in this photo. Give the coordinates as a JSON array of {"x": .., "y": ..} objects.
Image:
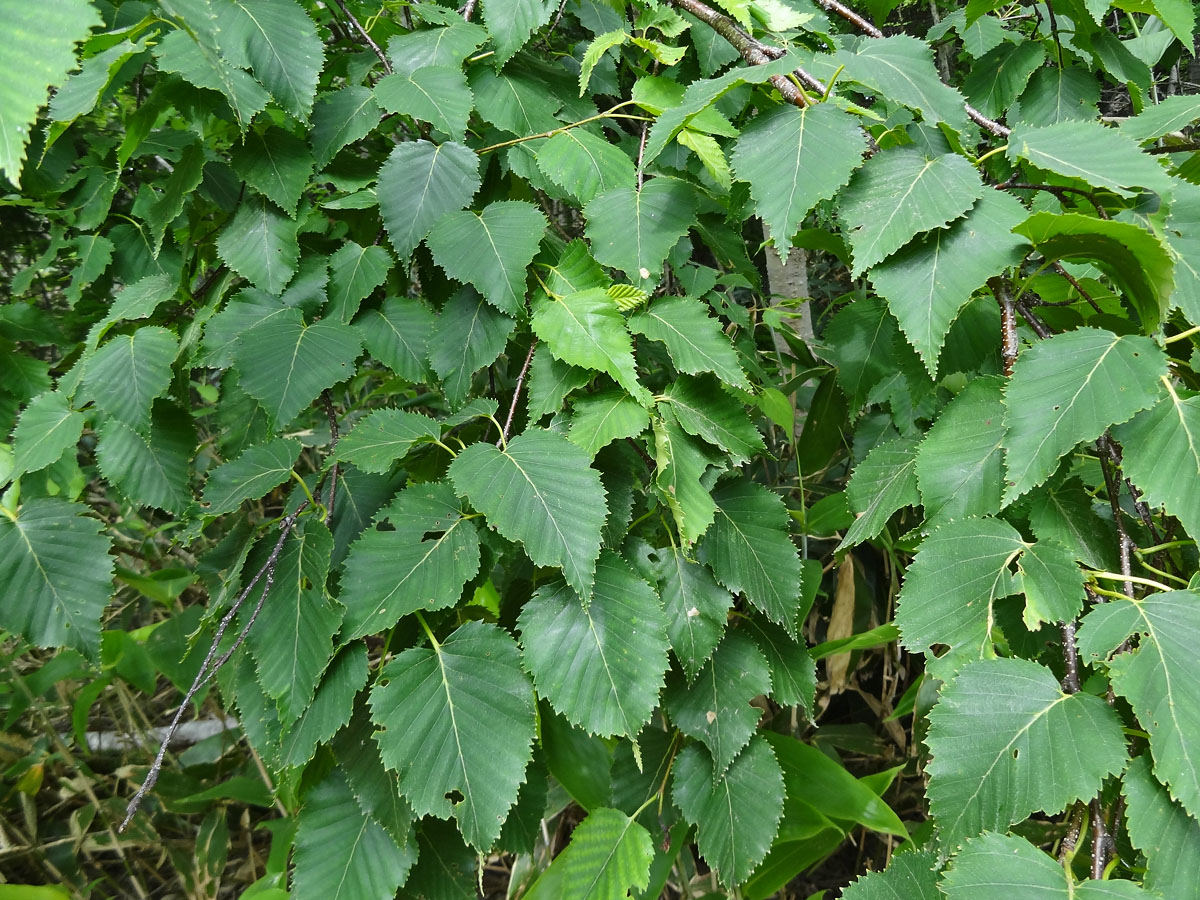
[{"x": 445, "y": 356}]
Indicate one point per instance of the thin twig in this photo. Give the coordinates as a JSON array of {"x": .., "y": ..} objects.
[
  {"x": 1058, "y": 267},
  {"x": 1100, "y": 839},
  {"x": 850, "y": 16},
  {"x": 641, "y": 175},
  {"x": 1009, "y": 346},
  {"x": 469, "y": 10},
  {"x": 512, "y": 407},
  {"x": 1058, "y": 190},
  {"x": 362, "y": 32},
  {"x": 1113, "y": 488},
  {"x": 1185, "y": 147},
  {"x": 331, "y": 414},
  {"x": 207, "y": 671},
  {"x": 1040, "y": 328}
]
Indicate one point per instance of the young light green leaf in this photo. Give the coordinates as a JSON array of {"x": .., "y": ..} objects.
[
  {"x": 681, "y": 463},
  {"x": 421, "y": 182},
  {"x": 341, "y": 852},
  {"x": 793, "y": 158},
  {"x": 959, "y": 463},
  {"x": 55, "y": 574},
  {"x": 260, "y": 245},
  {"x": 884, "y": 482},
  {"x": 1102, "y": 157},
  {"x": 991, "y": 731},
  {"x": 736, "y": 817},
  {"x": 999, "y": 867},
  {"x": 258, "y": 470},
  {"x": 129, "y": 372},
  {"x": 928, "y": 282},
  {"x": 540, "y": 490},
  {"x": 384, "y": 436},
  {"x": 600, "y": 45},
  {"x": 608, "y": 855},
  {"x": 47, "y": 428},
  {"x": 510, "y": 22},
  {"x": 1069, "y": 388},
  {"x": 471, "y": 334},
  {"x": 354, "y": 272},
  {"x": 490, "y": 250},
  {"x": 458, "y": 717},
  {"x": 423, "y": 562},
  {"x": 692, "y": 337},
  {"x": 601, "y": 664},
  {"x": 398, "y": 335},
  {"x": 275, "y": 164},
  {"x": 584, "y": 164},
  {"x": 706, "y": 410},
  {"x": 1161, "y": 829},
  {"x": 279, "y": 42},
  {"x": 601, "y": 418},
  {"x": 695, "y": 606},
  {"x": 341, "y": 118},
  {"x": 42, "y": 52},
  {"x": 751, "y": 552},
  {"x": 435, "y": 94},
  {"x": 1161, "y": 451},
  {"x": 1160, "y": 679},
  {"x": 634, "y": 230},
  {"x": 715, "y": 709},
  {"x": 586, "y": 329},
  {"x": 899, "y": 193}
]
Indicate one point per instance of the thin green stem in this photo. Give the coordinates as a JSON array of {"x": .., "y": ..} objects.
[
  {"x": 427, "y": 629},
  {"x": 1117, "y": 576}
]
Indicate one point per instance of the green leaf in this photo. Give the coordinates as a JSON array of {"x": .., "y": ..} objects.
[
  {"x": 601, "y": 418},
  {"x": 860, "y": 341},
  {"x": 1053, "y": 584},
  {"x": 199, "y": 61},
  {"x": 1069, "y": 388},
  {"x": 899, "y": 193},
  {"x": 949, "y": 589},
  {"x": 1159, "y": 827},
  {"x": 45, "y": 431},
  {"x": 55, "y": 574},
  {"x": 275, "y": 164},
  {"x": 609, "y": 854},
  {"x": 1168, "y": 115},
  {"x": 292, "y": 642},
  {"x": 1160, "y": 679},
  {"x": 550, "y": 381},
  {"x": 999, "y": 867},
  {"x": 1179, "y": 16},
  {"x": 1182, "y": 235},
  {"x": 736, "y": 817},
  {"x": 681, "y": 463},
  {"x": 279, "y": 42},
  {"x": 695, "y": 606},
  {"x": 884, "y": 482},
  {"x": 341, "y": 118},
  {"x": 471, "y": 334},
  {"x": 1064, "y": 511},
  {"x": 384, "y": 436},
  {"x": 258, "y": 470},
  {"x": 435, "y": 94},
  {"x": 129, "y": 372},
  {"x": 709, "y": 152},
  {"x": 1161, "y": 450},
  {"x": 398, "y": 335},
  {"x": 515, "y": 100},
  {"x": 458, "y": 717},
  {"x": 446, "y": 46},
  {"x": 600, "y": 45},
  {"x": 1001, "y": 75},
  {"x": 354, "y": 272},
  {"x": 431, "y": 551},
  {"x": 540, "y": 490},
  {"x": 490, "y": 250},
  {"x": 913, "y": 876},
  {"x": 959, "y": 463},
  {"x": 901, "y": 68},
  {"x": 693, "y": 338},
  {"x": 704, "y": 409},
  {"x": 586, "y": 329},
  {"x": 1102, "y": 157},
  {"x": 716, "y": 709},
  {"x": 634, "y": 230},
  {"x": 188, "y": 173},
  {"x": 153, "y": 470},
  {"x": 41, "y": 50},
  {"x": 329, "y": 711},
  {"x": 990, "y": 734},
  {"x": 794, "y": 158},
  {"x": 1135, "y": 259},
  {"x": 793, "y": 672},
  {"x": 585, "y": 164},
  {"x": 601, "y": 664},
  {"x": 341, "y": 852},
  {"x": 751, "y": 552},
  {"x": 510, "y": 22},
  {"x": 1055, "y": 94},
  {"x": 928, "y": 282},
  {"x": 260, "y": 245},
  {"x": 285, "y": 364},
  {"x": 418, "y": 184}
]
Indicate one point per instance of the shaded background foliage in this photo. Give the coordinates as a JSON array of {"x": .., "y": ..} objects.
[{"x": 583, "y": 449}]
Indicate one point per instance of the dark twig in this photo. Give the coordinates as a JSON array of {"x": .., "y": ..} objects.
[
  {"x": 850, "y": 16},
  {"x": 1040, "y": 328},
  {"x": 1070, "y": 682},
  {"x": 207, "y": 669},
  {"x": 362, "y": 32},
  {"x": 1058, "y": 190},
  {"x": 1112, "y": 486},
  {"x": 1074, "y": 829},
  {"x": 1058, "y": 267},
  {"x": 331, "y": 414},
  {"x": 469, "y": 10},
  {"x": 1185, "y": 147},
  {"x": 512, "y": 407},
  {"x": 1100, "y": 839},
  {"x": 1009, "y": 345}
]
